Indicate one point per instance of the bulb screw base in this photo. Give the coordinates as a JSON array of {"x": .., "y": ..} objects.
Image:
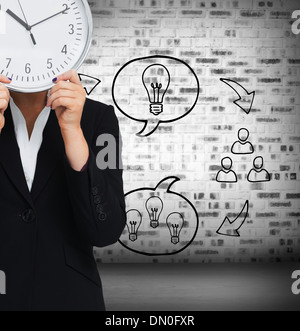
[
  {"x": 133, "y": 237},
  {"x": 175, "y": 240},
  {"x": 154, "y": 224},
  {"x": 156, "y": 108}
]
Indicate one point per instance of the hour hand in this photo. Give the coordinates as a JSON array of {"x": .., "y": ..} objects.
[{"x": 18, "y": 19}]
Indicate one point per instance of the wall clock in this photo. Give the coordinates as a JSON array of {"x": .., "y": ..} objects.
[{"x": 42, "y": 40}]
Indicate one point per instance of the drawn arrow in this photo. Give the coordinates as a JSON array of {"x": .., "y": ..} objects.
[
  {"x": 245, "y": 100},
  {"x": 89, "y": 83},
  {"x": 231, "y": 229}
]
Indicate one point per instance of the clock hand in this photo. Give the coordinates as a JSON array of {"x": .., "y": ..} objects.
[
  {"x": 23, "y": 12},
  {"x": 18, "y": 19},
  {"x": 31, "y": 35},
  {"x": 48, "y": 18},
  {"x": 32, "y": 38}
]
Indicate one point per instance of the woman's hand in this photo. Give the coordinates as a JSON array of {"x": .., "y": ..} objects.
[
  {"x": 4, "y": 99},
  {"x": 67, "y": 98}
]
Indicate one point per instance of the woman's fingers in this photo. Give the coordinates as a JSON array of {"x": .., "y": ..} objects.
[
  {"x": 4, "y": 98},
  {"x": 61, "y": 93},
  {"x": 70, "y": 75},
  {"x": 63, "y": 86},
  {"x": 5, "y": 80}
]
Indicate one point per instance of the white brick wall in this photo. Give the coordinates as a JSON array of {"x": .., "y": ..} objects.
[{"x": 250, "y": 41}]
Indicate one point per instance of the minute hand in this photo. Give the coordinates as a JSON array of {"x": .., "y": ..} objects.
[{"x": 48, "y": 18}]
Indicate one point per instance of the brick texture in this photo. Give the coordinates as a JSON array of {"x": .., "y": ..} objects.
[{"x": 247, "y": 41}]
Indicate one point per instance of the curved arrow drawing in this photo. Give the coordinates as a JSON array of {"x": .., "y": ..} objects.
[
  {"x": 245, "y": 100},
  {"x": 231, "y": 229},
  {"x": 87, "y": 81}
]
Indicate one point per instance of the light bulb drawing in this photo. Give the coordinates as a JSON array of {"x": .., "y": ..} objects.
[
  {"x": 163, "y": 199},
  {"x": 175, "y": 222},
  {"x": 134, "y": 220},
  {"x": 160, "y": 77},
  {"x": 154, "y": 206},
  {"x": 156, "y": 79}
]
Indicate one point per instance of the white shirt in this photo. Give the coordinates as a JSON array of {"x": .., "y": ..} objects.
[{"x": 29, "y": 148}]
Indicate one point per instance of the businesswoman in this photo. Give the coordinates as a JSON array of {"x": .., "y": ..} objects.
[{"x": 55, "y": 204}]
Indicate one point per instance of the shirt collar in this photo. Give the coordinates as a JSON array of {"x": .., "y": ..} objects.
[{"x": 20, "y": 123}]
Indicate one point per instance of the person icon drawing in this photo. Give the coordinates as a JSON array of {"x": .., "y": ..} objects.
[
  {"x": 243, "y": 146},
  {"x": 258, "y": 174},
  {"x": 226, "y": 175}
]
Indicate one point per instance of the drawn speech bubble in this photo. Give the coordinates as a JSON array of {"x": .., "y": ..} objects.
[
  {"x": 155, "y": 90},
  {"x": 159, "y": 215}
]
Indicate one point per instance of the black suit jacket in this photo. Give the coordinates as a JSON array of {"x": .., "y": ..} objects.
[{"x": 47, "y": 235}]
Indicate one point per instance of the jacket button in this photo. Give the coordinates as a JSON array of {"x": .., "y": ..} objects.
[
  {"x": 102, "y": 217},
  {"x": 28, "y": 216},
  {"x": 97, "y": 199}
]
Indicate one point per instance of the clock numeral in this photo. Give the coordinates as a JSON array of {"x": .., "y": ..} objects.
[
  {"x": 65, "y": 12},
  {"x": 49, "y": 64},
  {"x": 28, "y": 68},
  {"x": 71, "y": 29},
  {"x": 64, "y": 50},
  {"x": 8, "y": 61}
]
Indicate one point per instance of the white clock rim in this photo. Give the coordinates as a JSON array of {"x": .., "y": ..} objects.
[{"x": 77, "y": 65}]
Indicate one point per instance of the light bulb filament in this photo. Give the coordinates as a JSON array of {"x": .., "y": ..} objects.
[
  {"x": 156, "y": 92},
  {"x": 175, "y": 230},
  {"x": 133, "y": 227},
  {"x": 154, "y": 214}
]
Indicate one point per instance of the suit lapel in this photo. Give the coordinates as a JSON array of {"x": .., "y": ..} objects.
[
  {"x": 51, "y": 152},
  {"x": 10, "y": 157}
]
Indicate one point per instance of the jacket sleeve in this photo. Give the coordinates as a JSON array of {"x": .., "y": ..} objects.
[{"x": 97, "y": 196}]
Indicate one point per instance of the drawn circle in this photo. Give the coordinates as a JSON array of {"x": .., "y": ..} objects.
[
  {"x": 243, "y": 135},
  {"x": 148, "y": 60},
  {"x": 258, "y": 163},
  {"x": 227, "y": 163}
]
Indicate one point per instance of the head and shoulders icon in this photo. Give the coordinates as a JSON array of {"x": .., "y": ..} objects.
[
  {"x": 242, "y": 146},
  {"x": 258, "y": 174},
  {"x": 227, "y": 175}
]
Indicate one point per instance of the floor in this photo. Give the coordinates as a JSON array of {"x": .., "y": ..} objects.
[{"x": 198, "y": 287}]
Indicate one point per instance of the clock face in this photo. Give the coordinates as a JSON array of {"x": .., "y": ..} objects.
[{"x": 40, "y": 40}]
